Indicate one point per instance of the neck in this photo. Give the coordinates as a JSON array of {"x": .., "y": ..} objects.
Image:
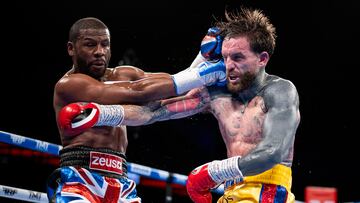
[
  {"x": 72, "y": 70},
  {"x": 255, "y": 87}
]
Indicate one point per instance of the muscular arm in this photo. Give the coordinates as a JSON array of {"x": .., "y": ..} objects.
[
  {"x": 80, "y": 87},
  {"x": 78, "y": 117},
  {"x": 193, "y": 102},
  {"x": 280, "y": 125}
]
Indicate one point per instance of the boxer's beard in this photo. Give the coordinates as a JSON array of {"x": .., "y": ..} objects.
[{"x": 244, "y": 83}]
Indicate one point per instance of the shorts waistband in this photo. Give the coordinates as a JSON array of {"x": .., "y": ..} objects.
[
  {"x": 105, "y": 161},
  {"x": 278, "y": 175}
]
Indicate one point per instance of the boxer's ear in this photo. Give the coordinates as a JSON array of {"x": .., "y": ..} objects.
[{"x": 70, "y": 48}]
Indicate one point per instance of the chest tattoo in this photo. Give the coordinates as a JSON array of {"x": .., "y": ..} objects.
[{"x": 241, "y": 120}]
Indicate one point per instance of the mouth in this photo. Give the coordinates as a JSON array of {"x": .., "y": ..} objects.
[
  {"x": 233, "y": 78},
  {"x": 98, "y": 64}
]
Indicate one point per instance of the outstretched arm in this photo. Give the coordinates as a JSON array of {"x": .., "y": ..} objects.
[
  {"x": 195, "y": 101},
  {"x": 80, "y": 87},
  {"x": 150, "y": 86},
  {"x": 77, "y": 117},
  {"x": 280, "y": 126}
]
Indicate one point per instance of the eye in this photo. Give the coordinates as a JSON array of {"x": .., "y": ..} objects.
[
  {"x": 237, "y": 57},
  {"x": 105, "y": 44},
  {"x": 90, "y": 44}
]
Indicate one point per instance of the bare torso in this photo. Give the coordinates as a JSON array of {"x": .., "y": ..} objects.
[
  {"x": 257, "y": 124},
  {"x": 99, "y": 137},
  {"x": 240, "y": 124}
]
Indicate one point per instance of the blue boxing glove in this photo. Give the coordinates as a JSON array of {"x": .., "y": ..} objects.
[
  {"x": 211, "y": 45},
  {"x": 210, "y": 48},
  {"x": 205, "y": 74},
  {"x": 213, "y": 73}
]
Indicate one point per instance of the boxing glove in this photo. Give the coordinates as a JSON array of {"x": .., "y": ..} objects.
[
  {"x": 199, "y": 184},
  {"x": 210, "y": 48},
  {"x": 211, "y": 45},
  {"x": 208, "y": 176},
  {"x": 205, "y": 74},
  {"x": 75, "y": 118}
]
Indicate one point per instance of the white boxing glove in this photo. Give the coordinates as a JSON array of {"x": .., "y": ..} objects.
[{"x": 205, "y": 74}]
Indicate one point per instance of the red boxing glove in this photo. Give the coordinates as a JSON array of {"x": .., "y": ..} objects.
[
  {"x": 209, "y": 176},
  {"x": 199, "y": 184},
  {"x": 75, "y": 118}
]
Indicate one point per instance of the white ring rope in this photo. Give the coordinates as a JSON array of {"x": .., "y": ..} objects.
[
  {"x": 46, "y": 147},
  {"x": 22, "y": 194}
]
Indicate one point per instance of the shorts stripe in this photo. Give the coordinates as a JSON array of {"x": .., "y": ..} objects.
[
  {"x": 281, "y": 194},
  {"x": 273, "y": 194}
]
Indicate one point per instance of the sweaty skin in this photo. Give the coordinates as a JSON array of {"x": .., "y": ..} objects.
[
  {"x": 90, "y": 80},
  {"x": 73, "y": 87}
]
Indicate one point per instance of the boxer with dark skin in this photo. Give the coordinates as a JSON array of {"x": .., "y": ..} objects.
[{"x": 91, "y": 80}]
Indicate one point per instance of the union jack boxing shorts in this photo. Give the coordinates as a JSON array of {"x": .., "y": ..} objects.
[{"x": 92, "y": 176}]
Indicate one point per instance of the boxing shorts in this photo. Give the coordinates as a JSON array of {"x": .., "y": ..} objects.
[
  {"x": 273, "y": 185},
  {"x": 91, "y": 175}
]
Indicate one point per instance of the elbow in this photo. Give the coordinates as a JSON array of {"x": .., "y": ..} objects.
[{"x": 274, "y": 156}]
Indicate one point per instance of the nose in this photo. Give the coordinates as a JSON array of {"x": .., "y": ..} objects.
[
  {"x": 100, "y": 50},
  {"x": 229, "y": 64}
]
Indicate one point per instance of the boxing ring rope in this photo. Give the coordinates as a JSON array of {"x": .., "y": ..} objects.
[
  {"x": 22, "y": 194},
  {"x": 53, "y": 149}
]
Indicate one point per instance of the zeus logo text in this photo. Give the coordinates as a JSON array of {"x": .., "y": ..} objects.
[{"x": 105, "y": 162}]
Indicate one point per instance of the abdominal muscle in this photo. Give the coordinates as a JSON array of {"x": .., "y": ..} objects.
[{"x": 241, "y": 125}]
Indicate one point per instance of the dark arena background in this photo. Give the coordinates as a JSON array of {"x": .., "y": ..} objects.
[{"x": 317, "y": 49}]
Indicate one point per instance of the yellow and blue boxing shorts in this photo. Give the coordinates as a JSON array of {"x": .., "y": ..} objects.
[{"x": 271, "y": 186}]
